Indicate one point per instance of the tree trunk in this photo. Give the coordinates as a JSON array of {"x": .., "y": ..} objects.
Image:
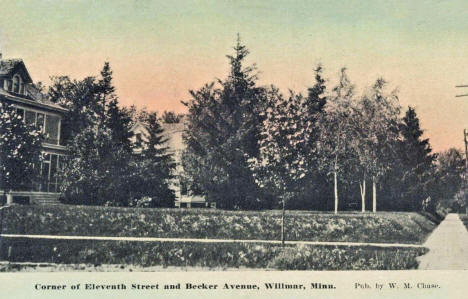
[
  {"x": 374, "y": 195},
  {"x": 283, "y": 237},
  {"x": 363, "y": 195},
  {"x": 335, "y": 180}
]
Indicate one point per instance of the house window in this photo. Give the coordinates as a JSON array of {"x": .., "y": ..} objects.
[
  {"x": 46, "y": 123},
  {"x": 30, "y": 117},
  {"x": 52, "y": 129},
  {"x": 9, "y": 85},
  {"x": 16, "y": 83},
  {"x": 40, "y": 122}
]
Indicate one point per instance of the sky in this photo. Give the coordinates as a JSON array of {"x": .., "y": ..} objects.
[{"x": 159, "y": 50}]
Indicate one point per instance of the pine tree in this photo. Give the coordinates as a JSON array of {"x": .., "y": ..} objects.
[
  {"x": 95, "y": 171},
  {"x": 222, "y": 128},
  {"x": 417, "y": 161},
  {"x": 315, "y": 192},
  {"x": 153, "y": 169}
]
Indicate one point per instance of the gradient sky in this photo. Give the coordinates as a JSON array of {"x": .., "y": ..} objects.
[{"x": 159, "y": 50}]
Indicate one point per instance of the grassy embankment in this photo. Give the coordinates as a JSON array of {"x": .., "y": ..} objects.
[
  {"x": 216, "y": 224},
  {"x": 464, "y": 219}
]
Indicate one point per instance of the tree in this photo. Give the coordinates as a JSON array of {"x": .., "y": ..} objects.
[
  {"x": 377, "y": 133},
  {"x": 20, "y": 150},
  {"x": 416, "y": 161},
  {"x": 334, "y": 142},
  {"x": 282, "y": 161},
  {"x": 154, "y": 167},
  {"x": 79, "y": 97},
  {"x": 449, "y": 174},
  {"x": 314, "y": 195},
  {"x": 96, "y": 170},
  {"x": 170, "y": 117},
  {"x": 222, "y": 128}
]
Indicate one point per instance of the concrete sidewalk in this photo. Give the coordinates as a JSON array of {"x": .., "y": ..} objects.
[{"x": 448, "y": 246}]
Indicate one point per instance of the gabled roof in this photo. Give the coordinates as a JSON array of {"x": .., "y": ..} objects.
[
  {"x": 9, "y": 66},
  {"x": 4, "y": 95},
  {"x": 139, "y": 127}
]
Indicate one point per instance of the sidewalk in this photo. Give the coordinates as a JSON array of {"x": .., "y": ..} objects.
[
  {"x": 448, "y": 246},
  {"x": 150, "y": 239}
]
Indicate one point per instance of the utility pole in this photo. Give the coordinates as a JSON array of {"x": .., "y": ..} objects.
[{"x": 465, "y": 138}]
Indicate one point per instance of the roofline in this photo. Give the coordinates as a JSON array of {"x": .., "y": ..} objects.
[
  {"x": 35, "y": 103},
  {"x": 20, "y": 62}
]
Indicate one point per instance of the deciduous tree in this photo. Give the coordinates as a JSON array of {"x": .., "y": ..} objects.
[{"x": 20, "y": 151}]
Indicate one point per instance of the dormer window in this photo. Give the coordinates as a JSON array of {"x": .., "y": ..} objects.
[
  {"x": 17, "y": 83},
  {"x": 8, "y": 85}
]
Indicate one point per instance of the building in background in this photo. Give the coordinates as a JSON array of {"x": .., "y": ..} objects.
[{"x": 16, "y": 88}]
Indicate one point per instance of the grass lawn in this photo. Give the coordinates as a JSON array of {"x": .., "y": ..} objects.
[
  {"x": 85, "y": 255},
  {"x": 383, "y": 227}
]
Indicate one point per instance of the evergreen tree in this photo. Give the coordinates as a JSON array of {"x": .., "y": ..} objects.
[
  {"x": 417, "y": 162},
  {"x": 222, "y": 129},
  {"x": 315, "y": 192},
  {"x": 98, "y": 169},
  {"x": 153, "y": 169}
]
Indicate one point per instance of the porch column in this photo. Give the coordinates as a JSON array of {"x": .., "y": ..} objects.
[{"x": 9, "y": 199}]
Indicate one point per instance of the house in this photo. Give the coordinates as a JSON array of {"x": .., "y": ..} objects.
[
  {"x": 172, "y": 132},
  {"x": 16, "y": 88}
]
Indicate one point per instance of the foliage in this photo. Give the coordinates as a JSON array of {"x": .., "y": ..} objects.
[
  {"x": 464, "y": 219},
  {"x": 101, "y": 167},
  {"x": 335, "y": 132},
  {"x": 222, "y": 129},
  {"x": 346, "y": 258},
  {"x": 153, "y": 167},
  {"x": 287, "y": 143},
  {"x": 416, "y": 164},
  {"x": 96, "y": 171},
  {"x": 213, "y": 256},
  {"x": 281, "y": 164},
  {"x": 448, "y": 178},
  {"x": 377, "y": 120},
  {"x": 384, "y": 227},
  {"x": 20, "y": 150},
  {"x": 170, "y": 117}
]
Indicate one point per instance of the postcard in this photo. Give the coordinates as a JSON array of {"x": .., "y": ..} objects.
[{"x": 226, "y": 149}]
